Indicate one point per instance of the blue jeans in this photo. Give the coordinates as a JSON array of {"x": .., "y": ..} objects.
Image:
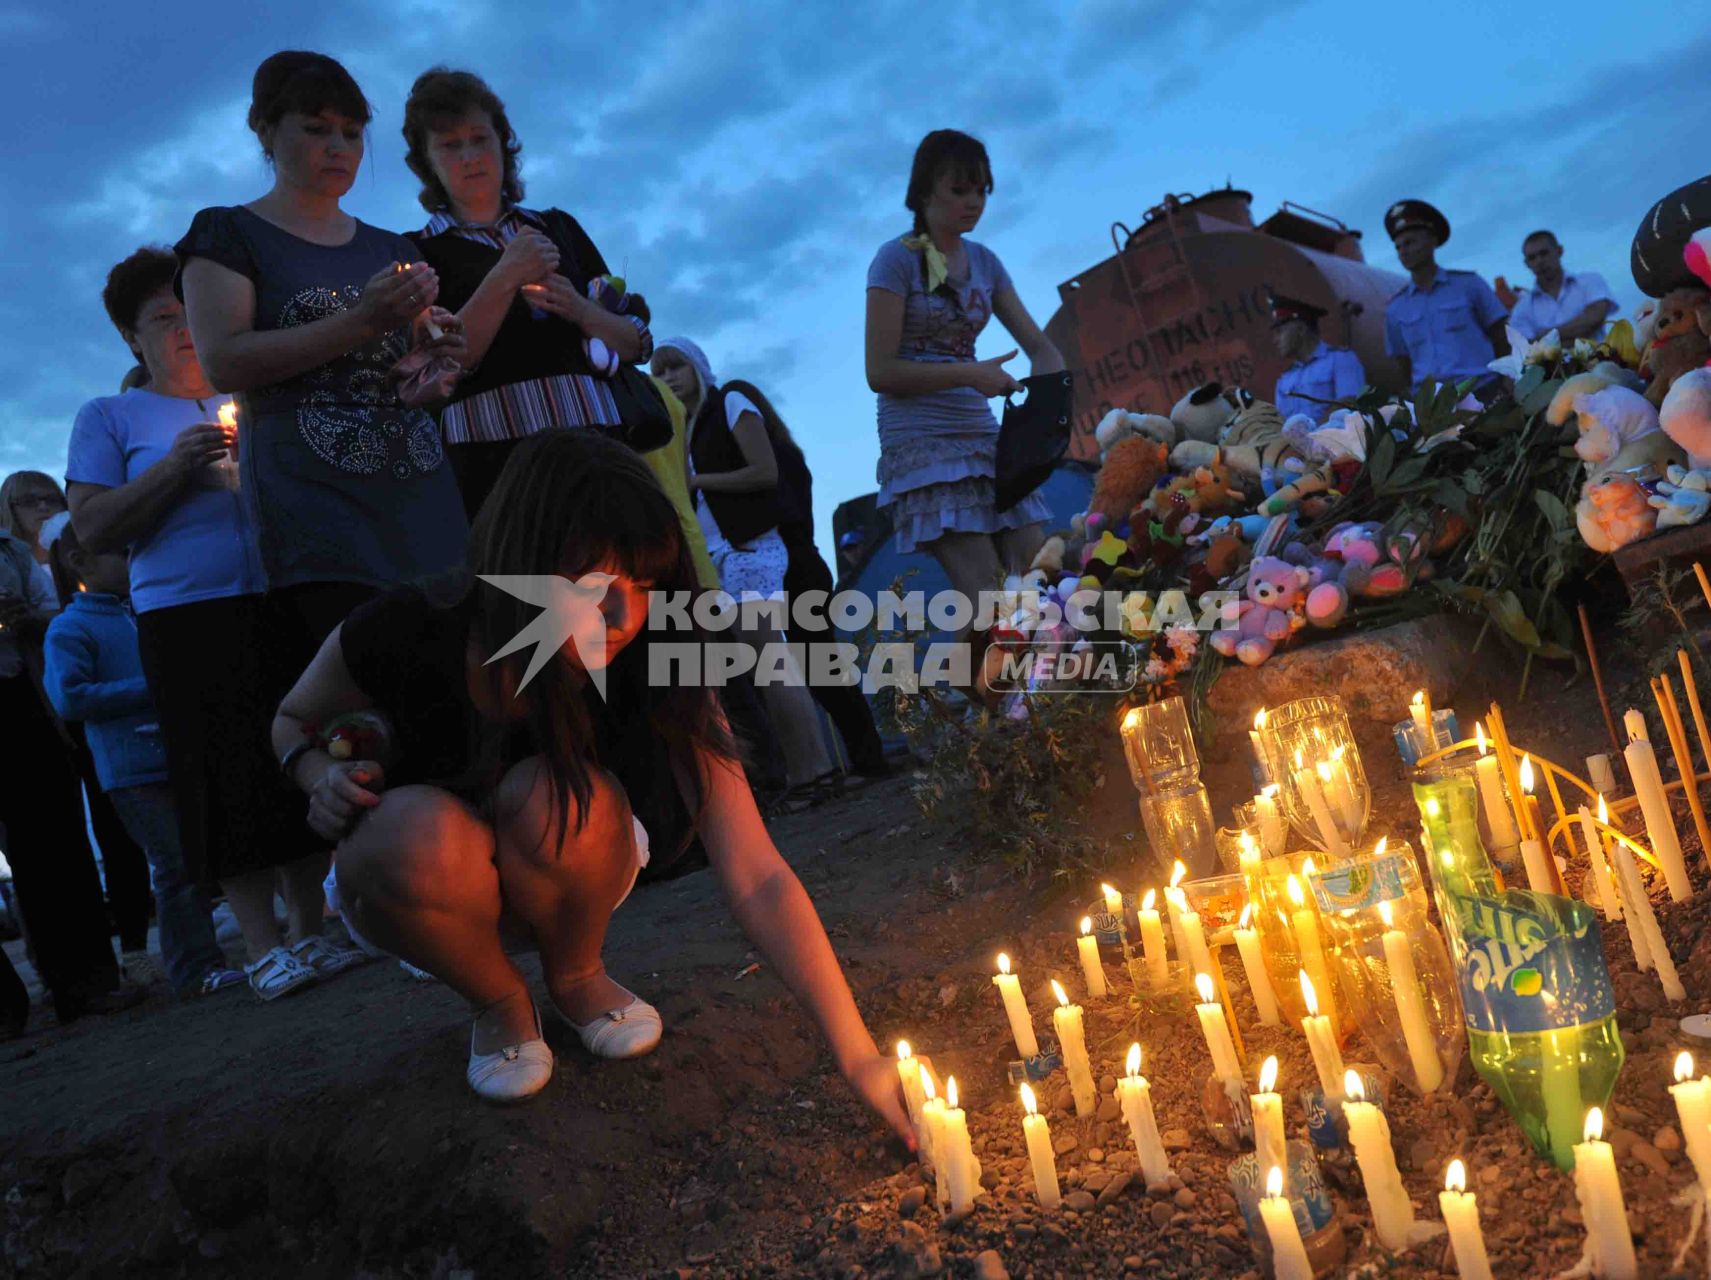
[{"x": 187, "y": 944}]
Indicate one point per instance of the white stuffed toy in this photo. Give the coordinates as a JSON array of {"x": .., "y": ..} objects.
[
  {"x": 1120, "y": 424},
  {"x": 1686, "y": 416},
  {"x": 1618, "y": 427},
  {"x": 1683, "y": 498}
]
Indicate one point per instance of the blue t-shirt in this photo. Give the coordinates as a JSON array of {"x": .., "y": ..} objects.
[
  {"x": 1441, "y": 329},
  {"x": 938, "y": 327},
  {"x": 204, "y": 547},
  {"x": 1330, "y": 373}
]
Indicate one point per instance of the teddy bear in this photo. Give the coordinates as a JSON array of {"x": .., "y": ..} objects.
[
  {"x": 1120, "y": 424},
  {"x": 1683, "y": 497},
  {"x": 612, "y": 295},
  {"x": 1686, "y": 416},
  {"x": 1613, "y": 511},
  {"x": 1680, "y": 338},
  {"x": 1618, "y": 426},
  {"x": 1126, "y": 477},
  {"x": 1268, "y": 614},
  {"x": 1355, "y": 565},
  {"x": 1202, "y": 413}
]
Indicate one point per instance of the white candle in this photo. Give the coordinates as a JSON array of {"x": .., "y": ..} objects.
[
  {"x": 1420, "y": 711},
  {"x": 1225, "y": 1064},
  {"x": 1600, "y": 774},
  {"x": 909, "y": 1072},
  {"x": 933, "y": 1123},
  {"x": 1654, "y": 804},
  {"x": 1609, "y": 901},
  {"x": 1152, "y": 941},
  {"x": 1461, "y": 1216},
  {"x": 957, "y": 1152},
  {"x": 1341, "y": 790},
  {"x": 1540, "y": 878},
  {"x": 1636, "y": 935},
  {"x": 1176, "y": 904},
  {"x": 1269, "y": 1135},
  {"x": 1193, "y": 935},
  {"x": 1610, "y": 1241},
  {"x": 1288, "y": 1254},
  {"x": 1369, "y": 1132},
  {"x": 1258, "y": 743},
  {"x": 1113, "y": 902},
  {"x": 1499, "y": 818},
  {"x": 1271, "y": 831},
  {"x": 1253, "y": 964},
  {"x": 1021, "y": 1024},
  {"x": 1322, "y": 1044},
  {"x": 1038, "y": 1135},
  {"x": 1304, "y": 921},
  {"x": 1634, "y": 721},
  {"x": 1693, "y": 1105},
  {"x": 1640, "y": 917},
  {"x": 1072, "y": 1039},
  {"x": 1307, "y": 783},
  {"x": 1135, "y": 1097},
  {"x": 1091, "y": 969},
  {"x": 1411, "y": 1005}
]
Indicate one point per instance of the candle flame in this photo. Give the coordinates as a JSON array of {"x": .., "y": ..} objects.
[
  {"x": 1274, "y": 1181},
  {"x": 1684, "y": 1065},
  {"x": 1594, "y": 1129},
  {"x": 1309, "y": 995},
  {"x": 1479, "y": 736},
  {"x": 904, "y": 1052},
  {"x": 1086, "y": 925},
  {"x": 1203, "y": 983},
  {"x": 1108, "y": 892},
  {"x": 1131, "y": 718},
  {"x": 1378, "y": 850},
  {"x": 1433, "y": 808},
  {"x": 1603, "y": 809},
  {"x": 1062, "y": 996},
  {"x": 1384, "y": 914},
  {"x": 1270, "y": 790},
  {"x": 1455, "y": 1177},
  {"x": 1418, "y": 701},
  {"x": 1295, "y": 895},
  {"x": 1003, "y": 963},
  {"x": 1337, "y": 755},
  {"x": 1308, "y": 867},
  {"x": 1177, "y": 898},
  {"x": 1147, "y": 900},
  {"x": 1324, "y": 771},
  {"x": 950, "y": 1092},
  {"x": 1352, "y": 1087},
  {"x": 1247, "y": 911},
  {"x": 1527, "y": 774},
  {"x": 1268, "y": 1075},
  {"x": 928, "y": 1091},
  {"x": 1132, "y": 1064},
  {"x": 1028, "y": 1101},
  {"x": 1259, "y": 720},
  {"x": 1297, "y": 757},
  {"x": 1177, "y": 873},
  {"x": 228, "y": 414}
]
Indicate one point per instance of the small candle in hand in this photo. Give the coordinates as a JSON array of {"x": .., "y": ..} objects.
[
  {"x": 1213, "y": 1025},
  {"x": 1152, "y": 940},
  {"x": 1609, "y": 1239},
  {"x": 1135, "y": 1097},
  {"x": 1038, "y": 1136},
  {"x": 909, "y": 1072},
  {"x": 1253, "y": 964},
  {"x": 1369, "y": 1133},
  {"x": 1091, "y": 969},
  {"x": 1322, "y": 1043},
  {"x": 1269, "y": 1133},
  {"x": 1016, "y": 1008},
  {"x": 1461, "y": 1216},
  {"x": 1693, "y": 1104},
  {"x": 1288, "y": 1254},
  {"x": 1072, "y": 1039}
]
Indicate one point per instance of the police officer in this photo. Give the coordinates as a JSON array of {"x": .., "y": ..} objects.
[
  {"x": 1442, "y": 325},
  {"x": 1318, "y": 372}
]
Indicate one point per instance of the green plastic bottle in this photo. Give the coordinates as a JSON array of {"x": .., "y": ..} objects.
[{"x": 1535, "y": 990}]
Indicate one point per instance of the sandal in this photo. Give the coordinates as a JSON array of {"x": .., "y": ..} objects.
[
  {"x": 325, "y": 956},
  {"x": 278, "y": 973},
  {"x": 513, "y": 1073}
]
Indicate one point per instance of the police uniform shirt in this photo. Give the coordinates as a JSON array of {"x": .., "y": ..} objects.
[
  {"x": 1536, "y": 313},
  {"x": 1441, "y": 328},
  {"x": 1330, "y": 373}
]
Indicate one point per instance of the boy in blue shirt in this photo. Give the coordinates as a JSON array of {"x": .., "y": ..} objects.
[{"x": 94, "y": 673}]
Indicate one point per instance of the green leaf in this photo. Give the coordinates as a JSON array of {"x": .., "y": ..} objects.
[
  {"x": 1505, "y": 609},
  {"x": 1539, "y": 399},
  {"x": 1529, "y": 381},
  {"x": 1409, "y": 471},
  {"x": 1382, "y": 454},
  {"x": 1553, "y": 508},
  {"x": 1451, "y": 496}
]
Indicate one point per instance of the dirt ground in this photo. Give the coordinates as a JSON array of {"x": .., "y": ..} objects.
[{"x": 332, "y": 1134}]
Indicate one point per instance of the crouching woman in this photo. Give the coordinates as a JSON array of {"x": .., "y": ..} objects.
[{"x": 504, "y": 805}]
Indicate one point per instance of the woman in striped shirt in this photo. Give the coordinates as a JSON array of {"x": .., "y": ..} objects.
[{"x": 518, "y": 278}]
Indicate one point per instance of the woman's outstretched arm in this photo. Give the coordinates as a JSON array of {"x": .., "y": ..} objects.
[{"x": 774, "y": 910}]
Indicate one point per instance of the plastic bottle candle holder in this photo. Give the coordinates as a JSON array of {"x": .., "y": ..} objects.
[
  {"x": 1178, "y": 824},
  {"x": 1159, "y": 746},
  {"x": 1311, "y": 753},
  {"x": 1407, "y": 735},
  {"x": 1315, "y": 1213}
]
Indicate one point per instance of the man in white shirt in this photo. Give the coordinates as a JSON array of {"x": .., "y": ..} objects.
[{"x": 1573, "y": 305}]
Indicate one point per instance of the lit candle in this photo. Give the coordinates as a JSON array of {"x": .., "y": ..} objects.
[
  {"x": 1253, "y": 964},
  {"x": 228, "y": 415},
  {"x": 1193, "y": 934},
  {"x": 957, "y": 1152},
  {"x": 1135, "y": 1097},
  {"x": 1641, "y": 919},
  {"x": 1021, "y": 1025},
  {"x": 1091, "y": 969},
  {"x": 1410, "y": 1005},
  {"x": 1072, "y": 1039},
  {"x": 1322, "y": 1044},
  {"x": 1609, "y": 901},
  {"x": 1307, "y": 783},
  {"x": 1693, "y": 1105},
  {"x": 909, "y": 1072},
  {"x": 433, "y": 329},
  {"x": 1268, "y": 1118},
  {"x": 1420, "y": 710},
  {"x": 933, "y": 1123},
  {"x": 1175, "y": 903},
  {"x": 1634, "y": 721},
  {"x": 1258, "y": 743},
  {"x": 1461, "y": 1216},
  {"x": 1610, "y": 1242},
  {"x": 1304, "y": 921},
  {"x": 1288, "y": 1254},
  {"x": 1499, "y": 820},
  {"x": 1038, "y": 1135},
  {"x": 1271, "y": 831},
  {"x": 1113, "y": 902},
  {"x": 1225, "y": 1064},
  {"x": 1533, "y": 855},
  {"x": 1152, "y": 941},
  {"x": 1369, "y": 1132},
  {"x": 1598, "y": 770},
  {"x": 1654, "y": 805}
]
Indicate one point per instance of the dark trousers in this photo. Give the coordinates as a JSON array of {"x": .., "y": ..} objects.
[
  {"x": 126, "y": 868},
  {"x": 53, "y": 871},
  {"x": 477, "y": 467},
  {"x": 845, "y": 704}
]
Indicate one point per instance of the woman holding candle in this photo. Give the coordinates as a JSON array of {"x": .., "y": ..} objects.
[
  {"x": 347, "y": 485},
  {"x": 511, "y": 808}
]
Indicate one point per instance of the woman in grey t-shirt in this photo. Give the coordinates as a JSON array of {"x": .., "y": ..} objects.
[{"x": 929, "y": 295}]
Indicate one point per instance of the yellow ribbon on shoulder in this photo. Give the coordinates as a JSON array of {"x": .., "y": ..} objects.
[{"x": 938, "y": 270}]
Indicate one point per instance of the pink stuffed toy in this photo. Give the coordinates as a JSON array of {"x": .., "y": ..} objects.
[
  {"x": 1361, "y": 570},
  {"x": 1270, "y": 614}
]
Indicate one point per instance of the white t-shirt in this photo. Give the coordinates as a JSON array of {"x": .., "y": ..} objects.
[
  {"x": 1536, "y": 313},
  {"x": 736, "y": 405}
]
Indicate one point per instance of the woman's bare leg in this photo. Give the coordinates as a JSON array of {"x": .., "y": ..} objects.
[
  {"x": 300, "y": 884},
  {"x": 1018, "y": 547},
  {"x": 251, "y": 898},
  {"x": 792, "y": 713},
  {"x": 566, "y": 892}
]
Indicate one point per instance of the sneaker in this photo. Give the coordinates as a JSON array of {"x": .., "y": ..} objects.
[
  {"x": 420, "y": 975},
  {"x": 327, "y": 957},
  {"x": 218, "y": 980},
  {"x": 141, "y": 967},
  {"x": 278, "y": 973}
]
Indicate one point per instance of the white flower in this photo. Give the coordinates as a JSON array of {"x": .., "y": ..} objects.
[
  {"x": 1344, "y": 439},
  {"x": 1584, "y": 351},
  {"x": 1523, "y": 353}
]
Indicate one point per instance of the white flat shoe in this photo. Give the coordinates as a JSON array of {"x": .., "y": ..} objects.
[
  {"x": 630, "y": 1032},
  {"x": 513, "y": 1073}
]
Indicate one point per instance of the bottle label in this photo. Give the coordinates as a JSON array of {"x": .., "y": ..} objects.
[
  {"x": 1352, "y": 886},
  {"x": 1527, "y": 966}
]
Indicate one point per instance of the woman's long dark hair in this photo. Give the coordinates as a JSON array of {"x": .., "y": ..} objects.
[
  {"x": 939, "y": 151},
  {"x": 569, "y": 501}
]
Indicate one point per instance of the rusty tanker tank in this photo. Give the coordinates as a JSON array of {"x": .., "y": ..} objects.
[{"x": 1183, "y": 302}]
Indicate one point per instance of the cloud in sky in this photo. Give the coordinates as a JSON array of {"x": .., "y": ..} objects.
[{"x": 743, "y": 161}]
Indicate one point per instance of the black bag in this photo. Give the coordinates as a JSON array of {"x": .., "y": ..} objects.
[{"x": 1034, "y": 436}]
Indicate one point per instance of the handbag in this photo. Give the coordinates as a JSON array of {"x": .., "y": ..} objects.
[{"x": 1034, "y": 436}]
